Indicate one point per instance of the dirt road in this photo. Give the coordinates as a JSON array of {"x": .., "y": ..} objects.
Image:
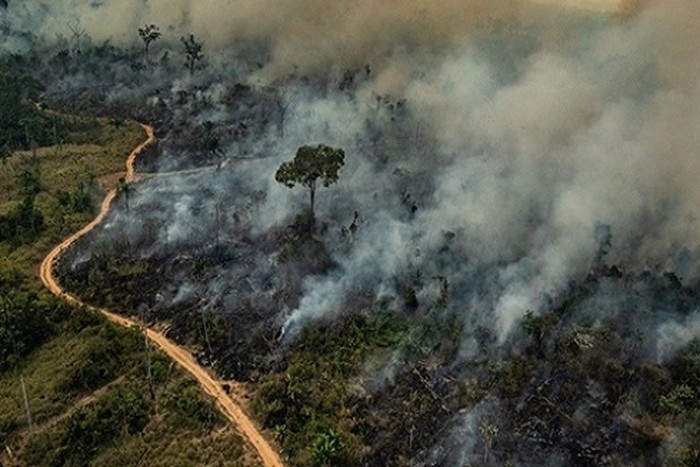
[{"x": 231, "y": 409}]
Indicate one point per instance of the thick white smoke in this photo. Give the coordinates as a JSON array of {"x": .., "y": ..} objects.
[
  {"x": 526, "y": 125},
  {"x": 314, "y": 36},
  {"x": 497, "y": 153},
  {"x": 602, "y": 132}
]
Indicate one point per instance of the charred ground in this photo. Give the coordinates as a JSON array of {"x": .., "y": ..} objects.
[{"x": 481, "y": 288}]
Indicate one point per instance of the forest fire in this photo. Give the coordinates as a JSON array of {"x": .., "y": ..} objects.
[{"x": 502, "y": 266}]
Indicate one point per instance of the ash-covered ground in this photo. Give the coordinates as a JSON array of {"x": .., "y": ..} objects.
[{"x": 506, "y": 270}]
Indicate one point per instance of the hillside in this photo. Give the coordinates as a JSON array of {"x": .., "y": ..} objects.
[
  {"x": 416, "y": 235},
  {"x": 94, "y": 392}
]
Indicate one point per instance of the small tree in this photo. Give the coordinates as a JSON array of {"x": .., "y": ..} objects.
[
  {"x": 28, "y": 178},
  {"x": 310, "y": 164},
  {"x": 193, "y": 51},
  {"x": 149, "y": 33}
]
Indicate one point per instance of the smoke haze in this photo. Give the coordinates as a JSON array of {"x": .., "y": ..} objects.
[
  {"x": 541, "y": 123},
  {"x": 510, "y": 147},
  {"x": 311, "y": 35}
]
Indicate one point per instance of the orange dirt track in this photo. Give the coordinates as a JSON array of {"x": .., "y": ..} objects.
[{"x": 230, "y": 408}]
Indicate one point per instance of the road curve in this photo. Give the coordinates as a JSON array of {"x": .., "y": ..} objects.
[{"x": 228, "y": 406}]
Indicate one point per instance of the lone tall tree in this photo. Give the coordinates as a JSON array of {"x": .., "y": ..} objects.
[
  {"x": 148, "y": 34},
  {"x": 312, "y": 165},
  {"x": 193, "y": 51}
]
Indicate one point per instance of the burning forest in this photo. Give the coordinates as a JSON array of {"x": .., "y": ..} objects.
[{"x": 502, "y": 267}]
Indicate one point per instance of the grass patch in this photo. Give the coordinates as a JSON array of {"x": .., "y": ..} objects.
[
  {"x": 66, "y": 171},
  {"x": 125, "y": 427},
  {"x": 86, "y": 353},
  {"x": 309, "y": 404}
]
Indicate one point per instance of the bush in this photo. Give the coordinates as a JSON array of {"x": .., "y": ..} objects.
[
  {"x": 78, "y": 201},
  {"x": 27, "y": 322},
  {"x": 123, "y": 410},
  {"x": 327, "y": 449},
  {"x": 27, "y": 177},
  {"x": 22, "y": 224},
  {"x": 679, "y": 399},
  {"x": 106, "y": 355},
  {"x": 99, "y": 367},
  {"x": 183, "y": 401}
]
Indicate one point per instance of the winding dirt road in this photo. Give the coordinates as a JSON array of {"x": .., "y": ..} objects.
[{"x": 230, "y": 408}]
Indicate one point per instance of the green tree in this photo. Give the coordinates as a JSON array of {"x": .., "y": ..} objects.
[
  {"x": 182, "y": 400},
  {"x": 193, "y": 51},
  {"x": 28, "y": 177},
  {"x": 311, "y": 165},
  {"x": 20, "y": 119}
]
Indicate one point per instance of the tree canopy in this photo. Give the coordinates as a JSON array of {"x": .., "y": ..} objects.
[{"x": 311, "y": 165}]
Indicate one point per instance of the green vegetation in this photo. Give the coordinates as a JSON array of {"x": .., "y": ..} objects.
[
  {"x": 317, "y": 403},
  {"x": 26, "y": 322},
  {"x": 50, "y": 192},
  {"x": 374, "y": 387},
  {"x": 95, "y": 394},
  {"x": 325, "y": 411},
  {"x": 124, "y": 425},
  {"x": 185, "y": 406},
  {"x": 89, "y": 398},
  {"x": 20, "y": 121},
  {"x": 309, "y": 404},
  {"x": 25, "y": 125}
]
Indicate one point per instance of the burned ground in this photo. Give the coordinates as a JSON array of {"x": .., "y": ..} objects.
[{"x": 505, "y": 272}]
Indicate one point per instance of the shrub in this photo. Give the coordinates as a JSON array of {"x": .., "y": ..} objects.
[{"x": 183, "y": 401}]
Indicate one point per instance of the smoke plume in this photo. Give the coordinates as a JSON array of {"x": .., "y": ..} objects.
[{"x": 497, "y": 151}]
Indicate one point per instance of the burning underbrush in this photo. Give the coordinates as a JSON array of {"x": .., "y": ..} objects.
[
  {"x": 607, "y": 376},
  {"x": 505, "y": 272}
]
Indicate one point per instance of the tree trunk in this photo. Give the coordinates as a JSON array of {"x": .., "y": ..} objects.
[
  {"x": 30, "y": 424},
  {"x": 149, "y": 369},
  {"x": 206, "y": 336},
  {"x": 282, "y": 110},
  {"x": 312, "y": 217}
]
